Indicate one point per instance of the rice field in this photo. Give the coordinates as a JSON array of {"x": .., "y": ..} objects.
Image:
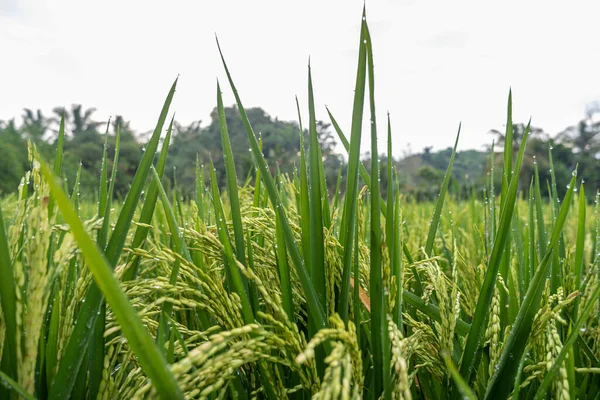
[{"x": 274, "y": 289}]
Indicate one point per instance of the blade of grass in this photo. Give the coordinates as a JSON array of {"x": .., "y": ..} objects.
[
  {"x": 51, "y": 352},
  {"x": 8, "y": 383},
  {"x": 149, "y": 356},
  {"x": 86, "y": 319},
  {"x": 549, "y": 377},
  {"x": 232, "y": 189},
  {"x": 284, "y": 272},
  {"x": 315, "y": 310},
  {"x": 9, "y": 306},
  {"x": 364, "y": 174},
  {"x": 141, "y": 231},
  {"x": 478, "y": 325},
  {"x": 508, "y": 153},
  {"x": 501, "y": 382},
  {"x": 199, "y": 187},
  {"x": 103, "y": 233},
  {"x": 580, "y": 245},
  {"x": 397, "y": 267},
  {"x": 336, "y": 196},
  {"x": 97, "y": 345},
  {"x": 234, "y": 272},
  {"x": 380, "y": 338},
  {"x": 435, "y": 220},
  {"x": 347, "y": 230},
  {"x": 317, "y": 250},
  {"x": 179, "y": 247},
  {"x": 102, "y": 189},
  {"x": 304, "y": 209},
  {"x": 541, "y": 226},
  {"x": 555, "y": 199},
  {"x": 463, "y": 386},
  {"x": 58, "y": 158},
  {"x": 75, "y": 192}
]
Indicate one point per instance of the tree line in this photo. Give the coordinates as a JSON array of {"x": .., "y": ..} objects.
[{"x": 418, "y": 175}]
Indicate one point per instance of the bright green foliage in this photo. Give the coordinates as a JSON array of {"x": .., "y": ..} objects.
[{"x": 264, "y": 288}]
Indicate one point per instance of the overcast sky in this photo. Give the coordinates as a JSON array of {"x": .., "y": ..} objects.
[{"x": 437, "y": 63}]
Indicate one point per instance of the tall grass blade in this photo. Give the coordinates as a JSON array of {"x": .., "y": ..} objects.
[
  {"x": 9, "y": 306},
  {"x": 86, "y": 319},
  {"x": 435, "y": 220},
  {"x": 96, "y": 350},
  {"x": 303, "y": 198},
  {"x": 58, "y": 158},
  {"x": 548, "y": 378},
  {"x": 380, "y": 338},
  {"x": 463, "y": 386},
  {"x": 179, "y": 247},
  {"x": 514, "y": 345},
  {"x": 149, "y": 356},
  {"x": 508, "y": 153},
  {"x": 6, "y": 382},
  {"x": 317, "y": 250},
  {"x": 478, "y": 325},
  {"x": 315, "y": 310},
  {"x": 284, "y": 272},
  {"x": 141, "y": 231},
  {"x": 541, "y": 226},
  {"x": 580, "y": 245},
  {"x": 102, "y": 189},
  {"x": 347, "y": 231},
  {"x": 103, "y": 233},
  {"x": 234, "y": 273},
  {"x": 232, "y": 188}
]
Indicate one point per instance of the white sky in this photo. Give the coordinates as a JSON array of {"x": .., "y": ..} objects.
[{"x": 437, "y": 62}]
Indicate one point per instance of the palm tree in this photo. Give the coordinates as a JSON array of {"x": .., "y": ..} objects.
[
  {"x": 77, "y": 120},
  {"x": 582, "y": 138},
  {"x": 35, "y": 125}
]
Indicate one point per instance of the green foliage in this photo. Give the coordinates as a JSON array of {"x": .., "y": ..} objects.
[{"x": 267, "y": 289}]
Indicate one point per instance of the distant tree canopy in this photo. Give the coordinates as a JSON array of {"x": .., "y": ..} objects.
[{"x": 419, "y": 175}]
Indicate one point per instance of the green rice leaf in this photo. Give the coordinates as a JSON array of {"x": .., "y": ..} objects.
[
  {"x": 478, "y": 325},
  {"x": 102, "y": 190},
  {"x": 347, "y": 230},
  {"x": 231, "y": 264},
  {"x": 315, "y": 310},
  {"x": 573, "y": 335},
  {"x": 380, "y": 339},
  {"x": 463, "y": 386},
  {"x": 86, "y": 319},
  {"x": 179, "y": 247},
  {"x": 232, "y": 189},
  {"x": 317, "y": 250},
  {"x": 58, "y": 158},
  {"x": 435, "y": 220},
  {"x": 580, "y": 245},
  {"x": 9, "y": 306},
  {"x": 150, "y": 358},
  {"x": 53, "y": 331},
  {"x": 141, "y": 231},
  {"x": 8, "y": 383},
  {"x": 501, "y": 383}
]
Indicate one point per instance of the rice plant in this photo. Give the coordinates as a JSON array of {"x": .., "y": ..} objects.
[{"x": 273, "y": 290}]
